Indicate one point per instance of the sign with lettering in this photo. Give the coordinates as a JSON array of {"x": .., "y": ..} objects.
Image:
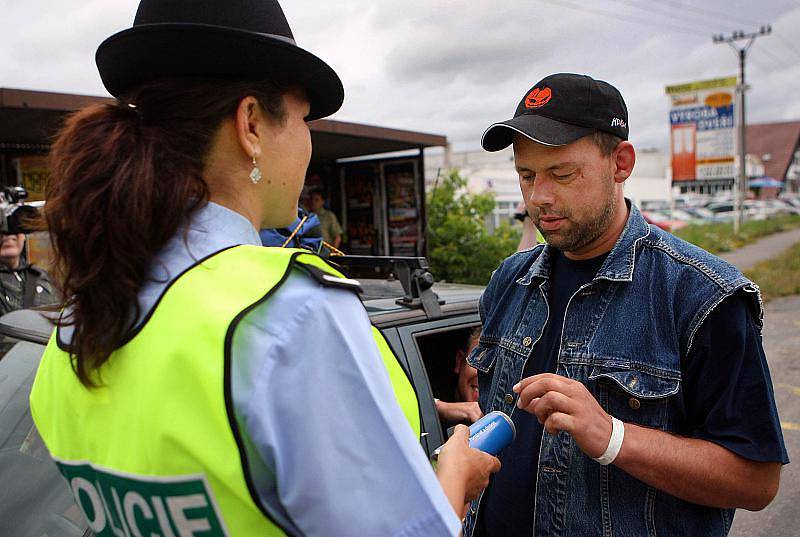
[
  {"x": 121, "y": 505},
  {"x": 702, "y": 130}
]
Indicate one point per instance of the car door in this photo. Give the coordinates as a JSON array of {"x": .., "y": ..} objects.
[
  {"x": 408, "y": 338},
  {"x": 35, "y": 500}
]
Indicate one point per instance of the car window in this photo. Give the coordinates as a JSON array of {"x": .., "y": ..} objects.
[
  {"x": 35, "y": 500},
  {"x": 438, "y": 351},
  {"x": 428, "y": 359}
]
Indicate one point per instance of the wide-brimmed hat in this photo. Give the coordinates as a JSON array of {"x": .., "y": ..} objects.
[
  {"x": 208, "y": 38},
  {"x": 559, "y": 109}
]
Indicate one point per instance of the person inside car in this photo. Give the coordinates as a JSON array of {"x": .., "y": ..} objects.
[
  {"x": 197, "y": 381},
  {"x": 464, "y": 407}
]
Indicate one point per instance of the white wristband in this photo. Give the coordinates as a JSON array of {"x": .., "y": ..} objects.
[{"x": 614, "y": 443}]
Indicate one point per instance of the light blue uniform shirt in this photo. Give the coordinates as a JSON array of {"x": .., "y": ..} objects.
[{"x": 330, "y": 451}]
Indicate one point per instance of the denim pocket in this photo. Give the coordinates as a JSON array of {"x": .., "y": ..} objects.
[
  {"x": 634, "y": 396},
  {"x": 483, "y": 358}
]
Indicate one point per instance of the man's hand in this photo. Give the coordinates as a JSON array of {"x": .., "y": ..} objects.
[
  {"x": 467, "y": 412},
  {"x": 563, "y": 404}
]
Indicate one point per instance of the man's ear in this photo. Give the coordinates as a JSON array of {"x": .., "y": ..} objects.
[
  {"x": 461, "y": 357},
  {"x": 624, "y": 158},
  {"x": 247, "y": 126}
]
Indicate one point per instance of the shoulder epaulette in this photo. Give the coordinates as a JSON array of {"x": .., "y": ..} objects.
[{"x": 330, "y": 280}]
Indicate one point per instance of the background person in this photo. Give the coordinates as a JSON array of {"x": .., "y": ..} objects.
[
  {"x": 22, "y": 285},
  {"x": 530, "y": 235},
  {"x": 632, "y": 361},
  {"x": 195, "y": 375},
  {"x": 331, "y": 229}
]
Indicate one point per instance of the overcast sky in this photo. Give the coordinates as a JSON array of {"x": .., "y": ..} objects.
[{"x": 453, "y": 67}]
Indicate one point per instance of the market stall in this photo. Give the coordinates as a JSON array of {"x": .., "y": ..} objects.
[{"x": 378, "y": 197}]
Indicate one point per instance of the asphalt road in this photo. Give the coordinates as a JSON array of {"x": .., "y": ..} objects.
[{"x": 782, "y": 345}]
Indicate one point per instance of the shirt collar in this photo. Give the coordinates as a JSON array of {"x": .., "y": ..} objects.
[
  {"x": 215, "y": 227},
  {"x": 620, "y": 262}
]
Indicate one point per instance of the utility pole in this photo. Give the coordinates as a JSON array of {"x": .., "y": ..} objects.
[{"x": 740, "y": 180}]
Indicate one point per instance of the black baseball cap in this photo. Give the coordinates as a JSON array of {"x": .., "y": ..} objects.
[{"x": 561, "y": 108}]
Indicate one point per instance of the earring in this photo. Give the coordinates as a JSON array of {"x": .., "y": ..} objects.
[{"x": 255, "y": 175}]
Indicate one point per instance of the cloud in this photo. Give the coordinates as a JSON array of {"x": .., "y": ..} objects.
[{"x": 454, "y": 66}]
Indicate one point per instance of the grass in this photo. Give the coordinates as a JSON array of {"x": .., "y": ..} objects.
[
  {"x": 717, "y": 238},
  {"x": 779, "y": 276}
]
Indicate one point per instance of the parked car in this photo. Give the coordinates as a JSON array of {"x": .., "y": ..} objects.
[
  {"x": 701, "y": 214},
  {"x": 424, "y": 330},
  {"x": 663, "y": 221},
  {"x": 724, "y": 211}
]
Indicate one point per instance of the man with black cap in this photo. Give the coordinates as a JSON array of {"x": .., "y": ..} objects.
[{"x": 630, "y": 361}]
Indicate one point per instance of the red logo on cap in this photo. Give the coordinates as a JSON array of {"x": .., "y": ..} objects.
[{"x": 538, "y": 97}]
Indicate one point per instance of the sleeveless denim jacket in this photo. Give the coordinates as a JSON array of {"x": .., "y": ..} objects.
[{"x": 623, "y": 336}]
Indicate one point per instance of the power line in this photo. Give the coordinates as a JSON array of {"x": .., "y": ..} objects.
[
  {"x": 788, "y": 44},
  {"x": 776, "y": 62},
  {"x": 628, "y": 17},
  {"x": 669, "y": 13},
  {"x": 708, "y": 12}
]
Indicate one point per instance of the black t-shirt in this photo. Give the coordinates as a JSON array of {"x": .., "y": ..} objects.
[{"x": 726, "y": 383}]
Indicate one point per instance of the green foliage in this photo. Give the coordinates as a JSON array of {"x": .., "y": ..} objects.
[
  {"x": 717, "y": 238},
  {"x": 459, "y": 247},
  {"x": 779, "y": 276}
]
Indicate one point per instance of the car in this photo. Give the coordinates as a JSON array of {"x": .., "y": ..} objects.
[
  {"x": 702, "y": 215},
  {"x": 424, "y": 324},
  {"x": 662, "y": 221},
  {"x": 724, "y": 211}
]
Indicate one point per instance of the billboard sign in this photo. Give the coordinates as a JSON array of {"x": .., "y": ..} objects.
[{"x": 702, "y": 131}]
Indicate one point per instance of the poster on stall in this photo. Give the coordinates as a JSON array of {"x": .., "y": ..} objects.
[
  {"x": 359, "y": 199},
  {"x": 403, "y": 208},
  {"x": 702, "y": 131},
  {"x": 32, "y": 174}
]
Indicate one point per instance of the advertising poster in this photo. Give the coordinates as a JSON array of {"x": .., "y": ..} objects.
[
  {"x": 401, "y": 194},
  {"x": 360, "y": 198},
  {"x": 702, "y": 131},
  {"x": 32, "y": 173}
]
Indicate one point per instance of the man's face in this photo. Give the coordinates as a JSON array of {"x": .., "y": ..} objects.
[
  {"x": 11, "y": 249},
  {"x": 467, "y": 375},
  {"x": 569, "y": 190},
  {"x": 317, "y": 202}
]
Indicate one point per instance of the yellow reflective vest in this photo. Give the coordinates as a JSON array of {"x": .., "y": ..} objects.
[{"x": 156, "y": 449}]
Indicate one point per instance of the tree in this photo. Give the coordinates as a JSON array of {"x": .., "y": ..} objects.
[{"x": 460, "y": 249}]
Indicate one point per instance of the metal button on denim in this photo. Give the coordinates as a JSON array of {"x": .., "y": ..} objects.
[
  {"x": 527, "y": 341},
  {"x": 634, "y": 403},
  {"x": 508, "y": 398}
]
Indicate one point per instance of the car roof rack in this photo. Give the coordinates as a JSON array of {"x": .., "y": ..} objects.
[{"x": 412, "y": 272}]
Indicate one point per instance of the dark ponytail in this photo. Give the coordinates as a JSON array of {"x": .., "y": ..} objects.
[{"x": 124, "y": 179}]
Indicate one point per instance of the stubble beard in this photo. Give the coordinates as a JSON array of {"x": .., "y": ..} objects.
[{"x": 581, "y": 234}]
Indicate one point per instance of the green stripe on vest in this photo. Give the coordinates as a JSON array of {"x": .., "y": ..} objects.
[{"x": 156, "y": 448}]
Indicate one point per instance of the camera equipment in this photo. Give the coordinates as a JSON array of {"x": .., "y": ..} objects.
[{"x": 15, "y": 216}]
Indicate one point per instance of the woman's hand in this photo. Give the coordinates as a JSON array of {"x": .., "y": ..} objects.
[
  {"x": 466, "y": 412},
  {"x": 463, "y": 471}
]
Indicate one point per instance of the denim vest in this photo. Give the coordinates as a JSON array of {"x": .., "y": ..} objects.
[{"x": 623, "y": 336}]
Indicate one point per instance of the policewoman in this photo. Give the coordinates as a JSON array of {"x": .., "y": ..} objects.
[{"x": 198, "y": 383}]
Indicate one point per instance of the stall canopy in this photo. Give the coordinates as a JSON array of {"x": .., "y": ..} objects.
[
  {"x": 380, "y": 201},
  {"x": 31, "y": 117}
]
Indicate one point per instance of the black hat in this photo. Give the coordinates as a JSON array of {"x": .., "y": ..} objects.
[
  {"x": 207, "y": 38},
  {"x": 561, "y": 108}
]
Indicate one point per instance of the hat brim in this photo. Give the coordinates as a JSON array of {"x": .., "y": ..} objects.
[
  {"x": 539, "y": 129},
  {"x": 149, "y": 52}
]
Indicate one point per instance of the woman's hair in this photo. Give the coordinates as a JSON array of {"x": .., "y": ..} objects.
[{"x": 125, "y": 177}]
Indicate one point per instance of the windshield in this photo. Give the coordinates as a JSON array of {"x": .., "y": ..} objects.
[{"x": 34, "y": 499}]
